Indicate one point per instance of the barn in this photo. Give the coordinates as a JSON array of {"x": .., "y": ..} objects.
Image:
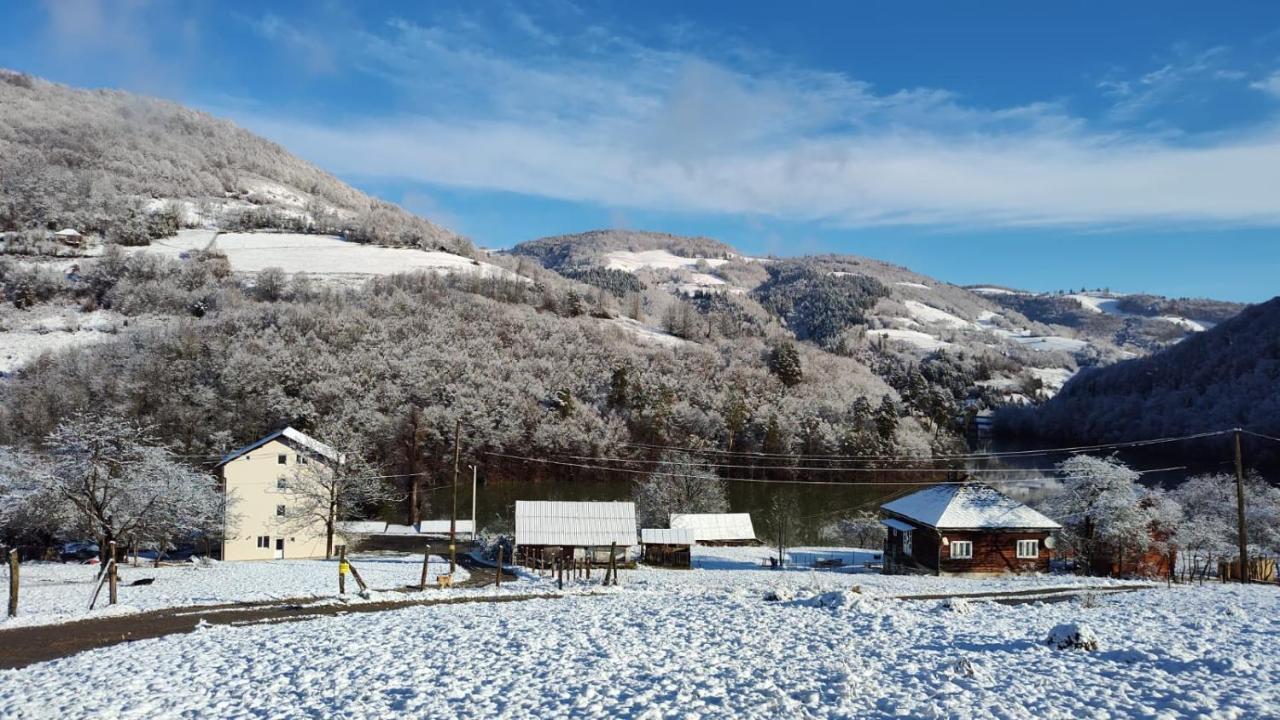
[
  {"x": 717, "y": 528},
  {"x": 965, "y": 528},
  {"x": 667, "y": 547},
  {"x": 546, "y": 529}
]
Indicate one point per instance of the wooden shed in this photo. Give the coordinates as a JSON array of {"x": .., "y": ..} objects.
[
  {"x": 965, "y": 528},
  {"x": 667, "y": 547},
  {"x": 717, "y": 528},
  {"x": 546, "y": 529}
]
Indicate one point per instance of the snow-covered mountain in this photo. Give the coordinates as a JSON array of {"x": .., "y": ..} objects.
[{"x": 131, "y": 168}]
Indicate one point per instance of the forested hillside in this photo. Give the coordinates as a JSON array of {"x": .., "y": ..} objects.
[
  {"x": 132, "y": 168},
  {"x": 1225, "y": 377}
]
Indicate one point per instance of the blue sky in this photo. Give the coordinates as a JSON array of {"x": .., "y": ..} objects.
[{"x": 1131, "y": 145}]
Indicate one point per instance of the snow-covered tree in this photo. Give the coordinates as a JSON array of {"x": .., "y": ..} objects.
[
  {"x": 681, "y": 484},
  {"x": 106, "y": 478},
  {"x": 862, "y": 530},
  {"x": 1100, "y": 508},
  {"x": 1208, "y": 529},
  {"x": 333, "y": 490}
]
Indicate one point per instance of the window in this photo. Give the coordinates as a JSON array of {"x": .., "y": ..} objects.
[
  {"x": 961, "y": 550},
  {"x": 1028, "y": 549},
  {"x": 264, "y": 541},
  {"x": 282, "y": 483},
  {"x": 279, "y": 511},
  {"x": 282, "y": 459},
  {"x": 302, "y": 459},
  {"x": 906, "y": 543}
]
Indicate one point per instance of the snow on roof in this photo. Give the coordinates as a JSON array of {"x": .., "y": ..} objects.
[
  {"x": 897, "y": 525},
  {"x": 664, "y": 536},
  {"x": 67, "y": 232},
  {"x": 441, "y": 527},
  {"x": 362, "y": 527},
  {"x": 967, "y": 506},
  {"x": 288, "y": 433},
  {"x": 579, "y": 524},
  {"x": 715, "y": 526}
]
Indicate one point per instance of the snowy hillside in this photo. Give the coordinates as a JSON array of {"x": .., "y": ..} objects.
[{"x": 130, "y": 168}]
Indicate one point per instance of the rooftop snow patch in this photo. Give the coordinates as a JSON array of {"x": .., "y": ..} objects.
[
  {"x": 971, "y": 506},
  {"x": 715, "y": 527},
  {"x": 298, "y": 438},
  {"x": 576, "y": 524},
  {"x": 665, "y": 536}
]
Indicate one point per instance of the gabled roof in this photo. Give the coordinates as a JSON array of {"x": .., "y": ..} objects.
[
  {"x": 664, "y": 536},
  {"x": 967, "y": 506},
  {"x": 712, "y": 527},
  {"x": 67, "y": 232},
  {"x": 441, "y": 527},
  {"x": 578, "y": 524},
  {"x": 296, "y": 437}
]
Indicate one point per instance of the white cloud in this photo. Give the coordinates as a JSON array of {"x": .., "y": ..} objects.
[
  {"x": 1269, "y": 85},
  {"x": 627, "y": 125}
]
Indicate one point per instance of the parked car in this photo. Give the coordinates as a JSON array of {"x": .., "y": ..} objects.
[{"x": 79, "y": 551}]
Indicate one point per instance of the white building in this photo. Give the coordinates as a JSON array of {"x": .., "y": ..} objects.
[{"x": 717, "y": 528}]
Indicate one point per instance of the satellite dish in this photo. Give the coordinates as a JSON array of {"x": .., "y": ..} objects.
[{"x": 1049, "y": 542}]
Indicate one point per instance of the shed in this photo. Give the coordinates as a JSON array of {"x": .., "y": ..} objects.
[
  {"x": 667, "y": 547},
  {"x": 441, "y": 527},
  {"x": 717, "y": 528},
  {"x": 547, "y": 528},
  {"x": 69, "y": 236},
  {"x": 965, "y": 528}
]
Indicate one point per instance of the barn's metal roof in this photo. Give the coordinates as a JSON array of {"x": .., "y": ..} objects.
[
  {"x": 712, "y": 527},
  {"x": 578, "y": 524},
  {"x": 441, "y": 527},
  {"x": 666, "y": 536},
  {"x": 968, "y": 506}
]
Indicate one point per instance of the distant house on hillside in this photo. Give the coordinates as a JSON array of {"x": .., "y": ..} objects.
[
  {"x": 717, "y": 528},
  {"x": 546, "y": 529},
  {"x": 965, "y": 528},
  {"x": 258, "y": 477},
  {"x": 68, "y": 236}
]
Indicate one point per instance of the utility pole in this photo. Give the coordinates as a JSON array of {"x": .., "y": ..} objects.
[
  {"x": 474, "y": 528},
  {"x": 1240, "y": 529},
  {"x": 453, "y": 518}
]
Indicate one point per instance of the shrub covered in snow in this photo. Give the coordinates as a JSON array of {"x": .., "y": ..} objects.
[{"x": 1072, "y": 636}]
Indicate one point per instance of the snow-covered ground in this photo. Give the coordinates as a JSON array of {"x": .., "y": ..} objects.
[
  {"x": 928, "y": 314},
  {"x": 922, "y": 340},
  {"x": 906, "y": 283},
  {"x": 660, "y": 259},
  {"x": 54, "y": 592},
  {"x": 702, "y": 643},
  {"x": 647, "y": 333},
  {"x": 24, "y": 335},
  {"x": 323, "y": 255},
  {"x": 1110, "y": 305}
]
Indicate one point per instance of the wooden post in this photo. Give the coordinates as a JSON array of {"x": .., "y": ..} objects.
[
  {"x": 453, "y": 517},
  {"x": 497, "y": 575},
  {"x": 1240, "y": 528},
  {"x": 560, "y": 573},
  {"x": 114, "y": 580},
  {"x": 356, "y": 574},
  {"x": 13, "y": 583},
  {"x": 612, "y": 577},
  {"x": 588, "y": 563},
  {"x": 342, "y": 570},
  {"x": 426, "y": 561}
]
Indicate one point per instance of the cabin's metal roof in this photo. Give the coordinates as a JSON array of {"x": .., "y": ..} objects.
[
  {"x": 968, "y": 506},
  {"x": 712, "y": 527},
  {"x": 578, "y": 524},
  {"x": 666, "y": 536}
]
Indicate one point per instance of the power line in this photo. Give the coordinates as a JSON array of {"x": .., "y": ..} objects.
[
  {"x": 953, "y": 456},
  {"x": 815, "y": 468}
]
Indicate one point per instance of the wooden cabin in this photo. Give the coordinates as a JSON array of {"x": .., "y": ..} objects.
[
  {"x": 965, "y": 529},
  {"x": 546, "y": 529},
  {"x": 717, "y": 528},
  {"x": 69, "y": 236},
  {"x": 667, "y": 547}
]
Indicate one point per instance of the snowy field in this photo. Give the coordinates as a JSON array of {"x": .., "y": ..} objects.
[
  {"x": 54, "y": 592},
  {"x": 629, "y": 261},
  {"x": 319, "y": 255},
  {"x": 700, "y": 644},
  {"x": 25, "y": 335}
]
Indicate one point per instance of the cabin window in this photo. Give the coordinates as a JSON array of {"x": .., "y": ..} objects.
[
  {"x": 279, "y": 511},
  {"x": 961, "y": 550},
  {"x": 282, "y": 459},
  {"x": 264, "y": 541},
  {"x": 282, "y": 483},
  {"x": 1028, "y": 549},
  {"x": 906, "y": 543}
]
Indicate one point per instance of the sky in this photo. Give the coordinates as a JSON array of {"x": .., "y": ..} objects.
[{"x": 1133, "y": 146}]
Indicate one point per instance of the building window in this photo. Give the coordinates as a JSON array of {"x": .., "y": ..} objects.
[
  {"x": 961, "y": 550},
  {"x": 282, "y": 459},
  {"x": 279, "y": 511},
  {"x": 906, "y": 543},
  {"x": 1028, "y": 549},
  {"x": 302, "y": 459},
  {"x": 264, "y": 541},
  {"x": 282, "y": 483}
]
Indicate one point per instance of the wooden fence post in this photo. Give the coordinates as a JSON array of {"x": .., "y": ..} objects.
[
  {"x": 560, "y": 573},
  {"x": 612, "y": 577},
  {"x": 342, "y": 570},
  {"x": 13, "y": 583},
  {"x": 356, "y": 574},
  {"x": 426, "y": 560},
  {"x": 497, "y": 574},
  {"x": 114, "y": 579}
]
